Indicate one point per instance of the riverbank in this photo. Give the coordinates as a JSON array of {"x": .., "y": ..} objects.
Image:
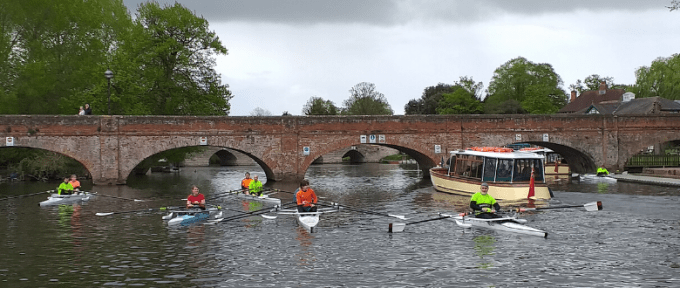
[{"x": 646, "y": 179}]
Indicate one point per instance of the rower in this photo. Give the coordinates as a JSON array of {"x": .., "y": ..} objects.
[
  {"x": 74, "y": 183},
  {"x": 195, "y": 199},
  {"x": 245, "y": 183},
  {"x": 306, "y": 198},
  {"x": 65, "y": 187},
  {"x": 601, "y": 171},
  {"x": 483, "y": 204},
  {"x": 255, "y": 187}
]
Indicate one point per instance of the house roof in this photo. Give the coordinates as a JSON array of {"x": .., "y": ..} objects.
[
  {"x": 592, "y": 97},
  {"x": 651, "y": 105}
]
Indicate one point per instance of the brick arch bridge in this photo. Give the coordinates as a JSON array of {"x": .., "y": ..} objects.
[{"x": 111, "y": 146}]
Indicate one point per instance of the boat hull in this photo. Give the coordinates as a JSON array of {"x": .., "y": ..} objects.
[
  {"x": 56, "y": 199},
  {"x": 263, "y": 198},
  {"x": 190, "y": 216},
  {"x": 507, "y": 224},
  {"x": 466, "y": 186},
  {"x": 308, "y": 221}
]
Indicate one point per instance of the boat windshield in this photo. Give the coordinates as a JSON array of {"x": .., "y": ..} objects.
[{"x": 523, "y": 170}]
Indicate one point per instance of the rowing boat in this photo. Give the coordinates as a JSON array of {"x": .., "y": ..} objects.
[
  {"x": 263, "y": 198},
  {"x": 56, "y": 199},
  {"x": 189, "y": 216},
  {"x": 308, "y": 220},
  {"x": 508, "y": 224}
]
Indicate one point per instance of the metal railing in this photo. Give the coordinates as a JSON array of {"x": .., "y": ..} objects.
[{"x": 654, "y": 161}]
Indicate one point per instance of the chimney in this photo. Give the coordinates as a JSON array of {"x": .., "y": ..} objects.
[
  {"x": 573, "y": 96},
  {"x": 603, "y": 88}
]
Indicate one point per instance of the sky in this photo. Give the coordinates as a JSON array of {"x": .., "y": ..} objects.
[{"x": 281, "y": 53}]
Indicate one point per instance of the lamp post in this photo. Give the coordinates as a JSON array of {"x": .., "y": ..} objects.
[{"x": 109, "y": 74}]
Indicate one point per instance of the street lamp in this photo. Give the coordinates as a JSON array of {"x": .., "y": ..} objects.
[{"x": 109, "y": 74}]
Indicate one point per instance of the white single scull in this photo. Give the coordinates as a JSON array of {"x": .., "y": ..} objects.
[
  {"x": 508, "y": 224},
  {"x": 263, "y": 198},
  {"x": 56, "y": 199},
  {"x": 308, "y": 220},
  {"x": 188, "y": 216}
]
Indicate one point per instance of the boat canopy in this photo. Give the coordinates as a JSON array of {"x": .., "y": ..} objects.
[{"x": 497, "y": 166}]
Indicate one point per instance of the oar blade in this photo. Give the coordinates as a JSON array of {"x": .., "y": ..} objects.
[
  {"x": 104, "y": 214},
  {"x": 402, "y": 217},
  {"x": 593, "y": 206},
  {"x": 270, "y": 217},
  {"x": 396, "y": 227}
]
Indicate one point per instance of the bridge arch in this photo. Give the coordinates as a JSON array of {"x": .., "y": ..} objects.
[
  {"x": 59, "y": 152},
  {"x": 579, "y": 161}
]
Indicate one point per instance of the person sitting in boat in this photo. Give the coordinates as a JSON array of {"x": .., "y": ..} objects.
[
  {"x": 74, "y": 183},
  {"x": 483, "y": 204},
  {"x": 255, "y": 186},
  {"x": 65, "y": 188},
  {"x": 245, "y": 183},
  {"x": 196, "y": 199},
  {"x": 306, "y": 198},
  {"x": 601, "y": 171}
]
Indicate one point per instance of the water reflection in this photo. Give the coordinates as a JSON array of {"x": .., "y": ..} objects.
[
  {"x": 484, "y": 246},
  {"x": 305, "y": 254}
]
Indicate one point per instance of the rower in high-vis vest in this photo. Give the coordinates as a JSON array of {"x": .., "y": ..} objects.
[{"x": 483, "y": 204}]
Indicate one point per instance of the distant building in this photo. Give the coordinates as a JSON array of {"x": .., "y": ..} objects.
[{"x": 618, "y": 102}]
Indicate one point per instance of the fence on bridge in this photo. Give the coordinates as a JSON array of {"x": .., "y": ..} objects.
[{"x": 645, "y": 161}]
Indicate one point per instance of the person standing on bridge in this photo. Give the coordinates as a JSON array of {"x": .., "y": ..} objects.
[
  {"x": 306, "y": 198},
  {"x": 245, "y": 183},
  {"x": 484, "y": 205},
  {"x": 255, "y": 186},
  {"x": 88, "y": 109},
  {"x": 196, "y": 199}
]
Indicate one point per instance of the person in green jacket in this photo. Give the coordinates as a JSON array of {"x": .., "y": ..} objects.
[
  {"x": 483, "y": 204},
  {"x": 65, "y": 187},
  {"x": 255, "y": 187},
  {"x": 601, "y": 171}
]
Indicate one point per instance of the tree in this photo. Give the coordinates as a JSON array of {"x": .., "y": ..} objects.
[
  {"x": 428, "y": 102},
  {"x": 460, "y": 102},
  {"x": 675, "y": 5},
  {"x": 592, "y": 82},
  {"x": 164, "y": 66},
  {"x": 260, "y": 112},
  {"x": 366, "y": 100},
  {"x": 519, "y": 78},
  {"x": 318, "y": 106},
  {"x": 661, "y": 78}
]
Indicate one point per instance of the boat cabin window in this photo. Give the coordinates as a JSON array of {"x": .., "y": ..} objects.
[
  {"x": 490, "y": 169},
  {"x": 468, "y": 166},
  {"x": 523, "y": 170},
  {"x": 504, "y": 170}
]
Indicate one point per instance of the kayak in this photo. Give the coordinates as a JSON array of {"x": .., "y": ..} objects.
[
  {"x": 185, "y": 217},
  {"x": 56, "y": 199},
  {"x": 508, "y": 224}
]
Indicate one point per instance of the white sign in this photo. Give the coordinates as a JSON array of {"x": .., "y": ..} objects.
[
  {"x": 546, "y": 138},
  {"x": 203, "y": 141},
  {"x": 305, "y": 150},
  {"x": 9, "y": 141},
  {"x": 381, "y": 138},
  {"x": 372, "y": 139},
  {"x": 437, "y": 149},
  {"x": 352, "y": 147},
  {"x": 363, "y": 139},
  {"x": 518, "y": 137}
]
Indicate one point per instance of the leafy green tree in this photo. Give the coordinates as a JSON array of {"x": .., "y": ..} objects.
[
  {"x": 366, "y": 100},
  {"x": 661, "y": 78},
  {"x": 428, "y": 102},
  {"x": 460, "y": 102},
  {"x": 518, "y": 78},
  {"x": 592, "y": 82},
  {"x": 318, "y": 106}
]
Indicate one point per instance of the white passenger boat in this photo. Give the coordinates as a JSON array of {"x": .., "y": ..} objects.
[
  {"x": 507, "y": 172},
  {"x": 56, "y": 199},
  {"x": 264, "y": 198},
  {"x": 308, "y": 220},
  {"x": 185, "y": 217},
  {"x": 555, "y": 170},
  {"x": 508, "y": 224}
]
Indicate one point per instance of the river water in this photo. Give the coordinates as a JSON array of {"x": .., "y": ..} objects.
[{"x": 633, "y": 242}]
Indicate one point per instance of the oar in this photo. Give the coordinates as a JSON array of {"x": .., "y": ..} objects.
[
  {"x": 399, "y": 227},
  {"x": 122, "y": 198},
  {"x": 252, "y": 213},
  {"x": 364, "y": 211},
  {"x": 19, "y": 196},
  {"x": 135, "y": 211},
  {"x": 592, "y": 206}
]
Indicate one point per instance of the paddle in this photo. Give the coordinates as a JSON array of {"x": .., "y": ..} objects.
[
  {"x": 122, "y": 198},
  {"x": 592, "y": 206},
  {"x": 399, "y": 227},
  {"x": 135, "y": 211},
  {"x": 19, "y": 196},
  {"x": 364, "y": 211}
]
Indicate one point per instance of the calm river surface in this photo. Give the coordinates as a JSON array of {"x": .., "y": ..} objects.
[{"x": 633, "y": 242}]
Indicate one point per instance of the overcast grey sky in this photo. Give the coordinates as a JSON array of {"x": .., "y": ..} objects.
[{"x": 281, "y": 52}]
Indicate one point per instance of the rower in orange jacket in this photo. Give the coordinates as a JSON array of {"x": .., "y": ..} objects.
[{"x": 306, "y": 198}]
